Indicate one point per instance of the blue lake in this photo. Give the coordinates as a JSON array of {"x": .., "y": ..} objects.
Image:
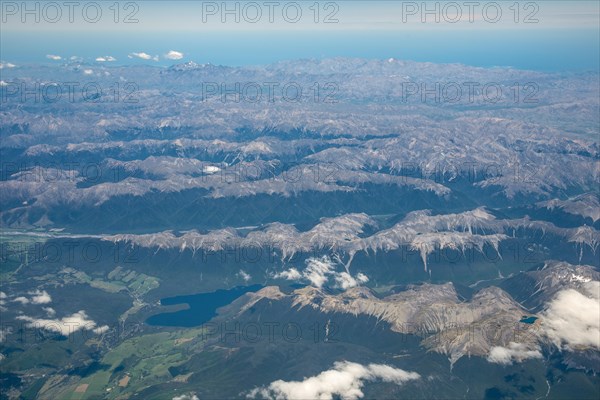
[
  {"x": 202, "y": 307},
  {"x": 528, "y": 320}
]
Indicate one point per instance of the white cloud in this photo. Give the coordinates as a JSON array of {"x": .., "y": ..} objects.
[
  {"x": 291, "y": 274},
  {"x": 3, "y": 298},
  {"x": 4, "y": 332},
  {"x": 40, "y": 297},
  {"x": 53, "y": 57},
  {"x": 106, "y": 59},
  {"x": 186, "y": 397},
  {"x": 174, "y": 55},
  {"x": 50, "y": 311},
  {"x": 319, "y": 270},
  {"x": 100, "y": 330},
  {"x": 143, "y": 56},
  {"x": 345, "y": 380},
  {"x": 6, "y": 65},
  {"x": 2, "y": 83},
  {"x": 21, "y": 299},
  {"x": 345, "y": 281},
  {"x": 572, "y": 319},
  {"x": 517, "y": 352},
  {"x": 244, "y": 275},
  {"x": 66, "y": 325},
  {"x": 88, "y": 71}
]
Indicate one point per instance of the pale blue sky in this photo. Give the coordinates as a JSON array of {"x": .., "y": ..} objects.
[{"x": 550, "y": 35}]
